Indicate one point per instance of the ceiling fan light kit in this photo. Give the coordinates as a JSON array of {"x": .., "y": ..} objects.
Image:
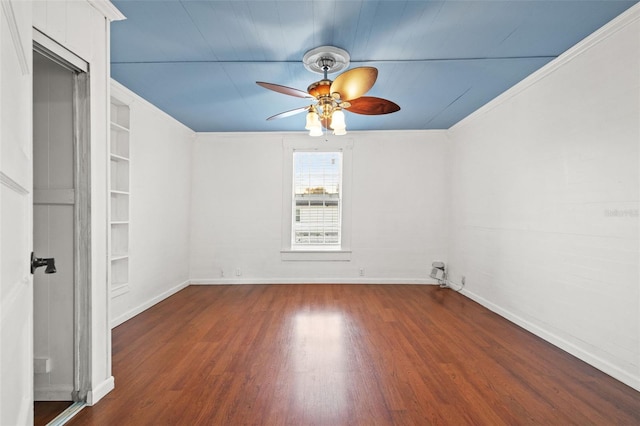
[
  {"x": 312, "y": 119},
  {"x": 332, "y": 97}
]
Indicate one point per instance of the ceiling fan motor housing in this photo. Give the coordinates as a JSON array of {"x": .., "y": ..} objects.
[{"x": 320, "y": 88}]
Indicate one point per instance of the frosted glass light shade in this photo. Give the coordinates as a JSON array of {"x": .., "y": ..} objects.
[
  {"x": 337, "y": 120},
  {"x": 312, "y": 120},
  {"x": 316, "y": 131}
]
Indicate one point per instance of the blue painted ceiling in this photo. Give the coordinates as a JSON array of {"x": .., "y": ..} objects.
[{"x": 439, "y": 60}]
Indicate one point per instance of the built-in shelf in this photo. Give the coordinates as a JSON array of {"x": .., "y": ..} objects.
[
  {"x": 119, "y": 168},
  {"x": 119, "y": 276},
  {"x": 116, "y": 157},
  {"x": 118, "y": 127},
  {"x": 119, "y": 207},
  {"x": 119, "y": 290}
]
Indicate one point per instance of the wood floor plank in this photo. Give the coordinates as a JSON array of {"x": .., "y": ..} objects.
[
  {"x": 345, "y": 355},
  {"x": 46, "y": 411}
]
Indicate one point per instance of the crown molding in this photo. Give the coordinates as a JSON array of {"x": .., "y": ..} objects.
[{"x": 107, "y": 9}]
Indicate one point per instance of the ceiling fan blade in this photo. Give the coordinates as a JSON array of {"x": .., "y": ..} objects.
[
  {"x": 284, "y": 89},
  {"x": 369, "y": 105},
  {"x": 354, "y": 83},
  {"x": 289, "y": 113}
]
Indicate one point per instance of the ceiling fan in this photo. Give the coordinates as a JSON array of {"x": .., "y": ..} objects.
[{"x": 331, "y": 97}]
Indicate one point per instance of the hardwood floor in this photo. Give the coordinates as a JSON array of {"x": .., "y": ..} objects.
[
  {"x": 345, "y": 355},
  {"x": 45, "y": 411}
]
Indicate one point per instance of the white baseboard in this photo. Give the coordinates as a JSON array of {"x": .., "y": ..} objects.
[
  {"x": 363, "y": 280},
  {"x": 594, "y": 360},
  {"x": 99, "y": 391},
  {"x": 146, "y": 305}
]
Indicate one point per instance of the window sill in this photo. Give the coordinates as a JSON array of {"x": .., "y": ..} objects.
[{"x": 315, "y": 255}]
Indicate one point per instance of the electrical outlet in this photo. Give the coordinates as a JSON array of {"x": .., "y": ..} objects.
[
  {"x": 238, "y": 272},
  {"x": 221, "y": 273},
  {"x": 463, "y": 279},
  {"x": 362, "y": 272}
]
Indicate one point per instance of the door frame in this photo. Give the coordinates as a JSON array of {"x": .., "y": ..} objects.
[{"x": 82, "y": 208}]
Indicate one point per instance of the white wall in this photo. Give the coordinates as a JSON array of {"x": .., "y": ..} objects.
[
  {"x": 398, "y": 209},
  {"x": 160, "y": 179},
  {"x": 545, "y": 201}
]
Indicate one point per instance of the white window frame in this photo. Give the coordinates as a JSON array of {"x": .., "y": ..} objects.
[
  {"x": 325, "y": 211},
  {"x": 307, "y": 144}
]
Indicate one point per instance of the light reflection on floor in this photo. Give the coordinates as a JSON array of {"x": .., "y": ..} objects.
[{"x": 319, "y": 359}]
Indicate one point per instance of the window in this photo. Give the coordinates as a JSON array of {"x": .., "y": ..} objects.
[
  {"x": 317, "y": 181},
  {"x": 316, "y": 199}
]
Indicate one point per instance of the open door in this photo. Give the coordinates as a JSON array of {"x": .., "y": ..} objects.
[{"x": 16, "y": 291}]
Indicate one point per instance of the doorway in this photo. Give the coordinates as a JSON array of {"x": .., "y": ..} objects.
[{"x": 60, "y": 230}]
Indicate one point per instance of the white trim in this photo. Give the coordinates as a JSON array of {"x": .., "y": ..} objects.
[
  {"x": 107, "y": 9},
  {"x": 124, "y": 95},
  {"x": 146, "y": 305},
  {"x": 290, "y": 144},
  {"x": 308, "y": 280},
  {"x": 106, "y": 103},
  {"x": 315, "y": 256},
  {"x": 589, "y": 358},
  {"x": 7, "y": 7},
  {"x": 53, "y": 48},
  {"x": 629, "y": 16},
  {"x": 12, "y": 184},
  {"x": 98, "y": 392}
]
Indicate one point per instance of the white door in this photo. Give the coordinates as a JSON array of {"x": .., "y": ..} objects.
[
  {"x": 16, "y": 291},
  {"x": 53, "y": 229}
]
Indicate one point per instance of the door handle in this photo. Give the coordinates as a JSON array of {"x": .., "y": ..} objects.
[{"x": 37, "y": 262}]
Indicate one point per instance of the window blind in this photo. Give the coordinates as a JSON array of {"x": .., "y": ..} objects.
[{"x": 317, "y": 179}]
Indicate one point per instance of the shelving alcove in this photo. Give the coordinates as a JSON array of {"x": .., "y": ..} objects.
[{"x": 119, "y": 195}]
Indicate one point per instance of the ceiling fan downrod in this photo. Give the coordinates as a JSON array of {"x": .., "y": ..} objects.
[{"x": 325, "y": 64}]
